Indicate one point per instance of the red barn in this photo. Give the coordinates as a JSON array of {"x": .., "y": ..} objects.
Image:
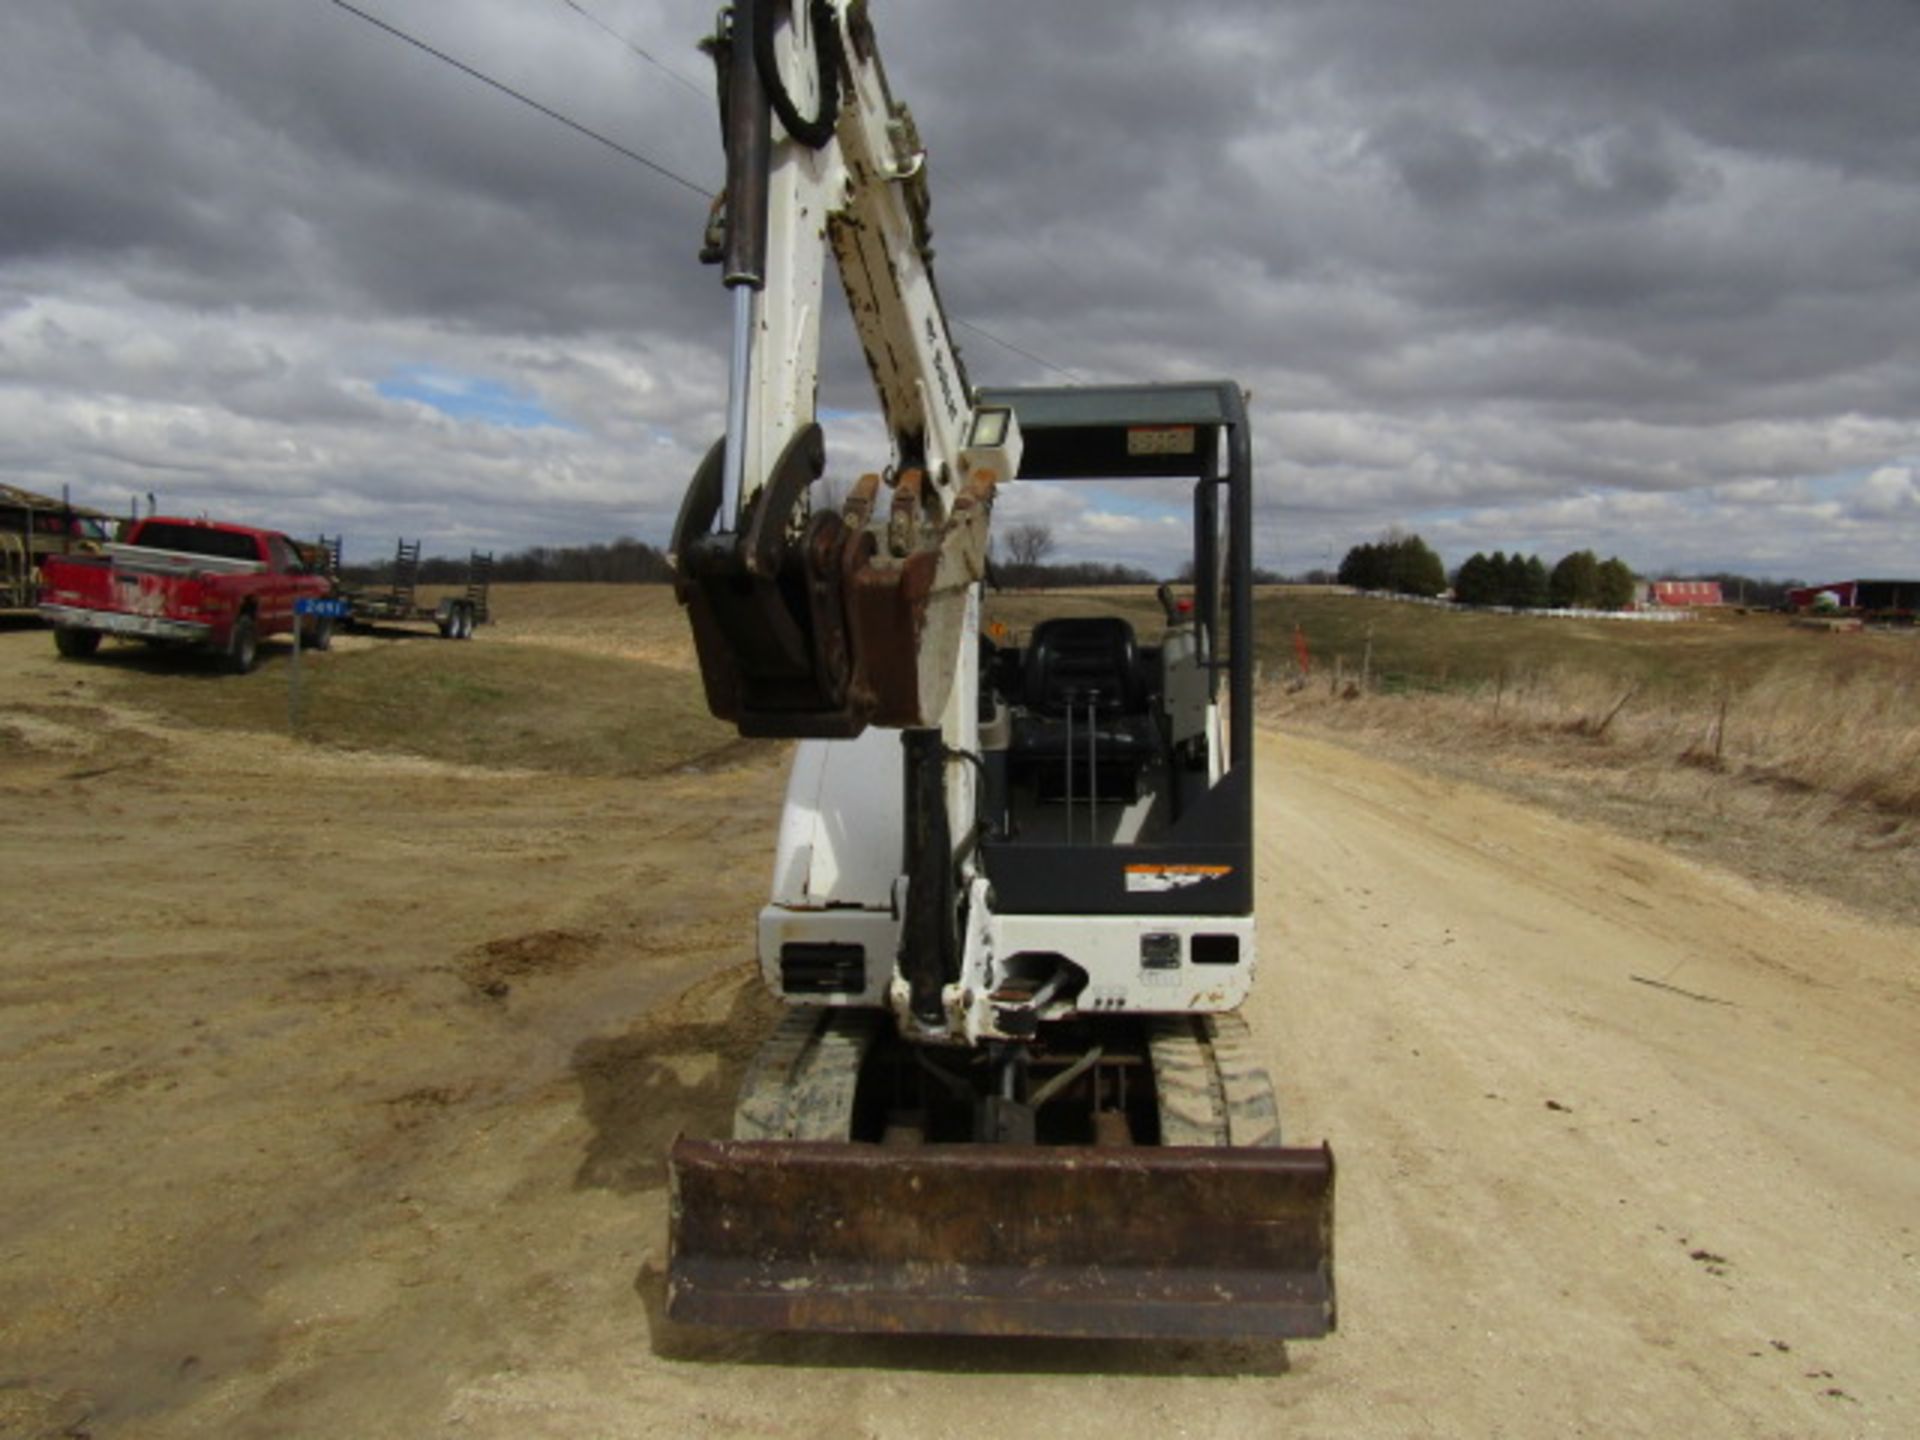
[
  {"x": 1684, "y": 594},
  {"x": 1878, "y": 595}
]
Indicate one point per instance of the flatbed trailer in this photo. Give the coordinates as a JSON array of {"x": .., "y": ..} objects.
[
  {"x": 455, "y": 616},
  {"x": 34, "y": 528}
]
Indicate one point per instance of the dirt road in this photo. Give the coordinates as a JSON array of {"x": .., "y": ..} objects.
[{"x": 333, "y": 1093}]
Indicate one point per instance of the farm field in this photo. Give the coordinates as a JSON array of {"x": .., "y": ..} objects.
[
  {"x": 337, "y": 1071},
  {"x": 1790, "y": 755}
]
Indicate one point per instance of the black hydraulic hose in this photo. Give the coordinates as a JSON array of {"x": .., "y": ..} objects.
[
  {"x": 929, "y": 930},
  {"x": 814, "y": 133}
]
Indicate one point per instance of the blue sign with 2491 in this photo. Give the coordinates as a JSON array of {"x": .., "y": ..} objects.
[{"x": 323, "y": 606}]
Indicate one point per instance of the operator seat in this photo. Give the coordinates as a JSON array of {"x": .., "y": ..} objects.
[{"x": 1085, "y": 663}]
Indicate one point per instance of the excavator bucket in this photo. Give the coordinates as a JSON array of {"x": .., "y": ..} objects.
[
  {"x": 822, "y": 635},
  {"x": 1003, "y": 1240}
]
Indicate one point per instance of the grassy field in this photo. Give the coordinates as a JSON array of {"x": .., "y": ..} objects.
[
  {"x": 1836, "y": 715},
  {"x": 1427, "y": 647},
  {"x": 1792, "y": 754},
  {"x": 506, "y": 705}
]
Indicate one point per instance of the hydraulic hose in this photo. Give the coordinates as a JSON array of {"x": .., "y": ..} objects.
[{"x": 814, "y": 133}]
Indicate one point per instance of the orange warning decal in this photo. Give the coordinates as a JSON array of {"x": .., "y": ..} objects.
[{"x": 1172, "y": 877}]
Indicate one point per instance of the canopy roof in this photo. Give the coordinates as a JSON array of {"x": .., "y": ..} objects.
[{"x": 1082, "y": 432}]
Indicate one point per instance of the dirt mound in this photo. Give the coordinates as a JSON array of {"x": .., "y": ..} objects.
[
  {"x": 676, "y": 1070},
  {"x": 494, "y": 966}
]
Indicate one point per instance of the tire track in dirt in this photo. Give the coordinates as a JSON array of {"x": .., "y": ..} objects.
[{"x": 1589, "y": 1200}]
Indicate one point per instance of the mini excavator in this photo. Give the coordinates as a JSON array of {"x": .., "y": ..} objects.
[{"x": 1012, "y": 911}]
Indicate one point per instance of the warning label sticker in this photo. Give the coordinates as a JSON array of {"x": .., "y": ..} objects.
[{"x": 1146, "y": 878}]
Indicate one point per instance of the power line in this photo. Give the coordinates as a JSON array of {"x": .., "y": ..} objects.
[
  {"x": 649, "y": 57},
  {"x": 614, "y": 145},
  {"x": 1009, "y": 345},
  {"x": 634, "y": 155},
  {"x": 979, "y": 207},
  {"x": 988, "y": 335}
]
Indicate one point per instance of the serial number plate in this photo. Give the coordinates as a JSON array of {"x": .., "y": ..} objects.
[{"x": 1160, "y": 440}]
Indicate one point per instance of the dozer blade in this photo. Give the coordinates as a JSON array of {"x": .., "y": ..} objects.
[{"x": 1003, "y": 1240}]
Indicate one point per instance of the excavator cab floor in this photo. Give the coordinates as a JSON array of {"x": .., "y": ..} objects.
[{"x": 1117, "y": 1242}]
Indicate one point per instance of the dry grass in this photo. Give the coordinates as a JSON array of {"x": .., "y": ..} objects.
[
  {"x": 1798, "y": 767},
  {"x": 1421, "y": 647},
  {"x": 1848, "y": 732},
  {"x": 485, "y": 703},
  {"x": 1812, "y": 777}
]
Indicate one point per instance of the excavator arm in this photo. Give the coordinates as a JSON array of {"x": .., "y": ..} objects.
[{"x": 809, "y": 622}]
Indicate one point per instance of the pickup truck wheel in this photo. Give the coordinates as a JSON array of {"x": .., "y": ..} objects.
[
  {"x": 319, "y": 634},
  {"x": 75, "y": 642},
  {"x": 244, "y": 646}
]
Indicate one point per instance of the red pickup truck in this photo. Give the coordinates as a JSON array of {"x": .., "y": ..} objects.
[{"x": 184, "y": 582}]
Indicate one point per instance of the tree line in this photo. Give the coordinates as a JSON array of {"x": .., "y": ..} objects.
[
  {"x": 1407, "y": 565},
  {"x": 1401, "y": 564},
  {"x": 625, "y": 561},
  {"x": 1020, "y": 562},
  {"x": 1580, "y": 581}
]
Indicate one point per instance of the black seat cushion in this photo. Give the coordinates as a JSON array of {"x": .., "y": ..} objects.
[
  {"x": 1080, "y": 661},
  {"x": 1091, "y": 667}
]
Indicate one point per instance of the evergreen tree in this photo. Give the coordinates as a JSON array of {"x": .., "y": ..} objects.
[
  {"x": 1575, "y": 582},
  {"x": 1496, "y": 579},
  {"x": 1538, "y": 590},
  {"x": 1473, "y": 585},
  {"x": 1613, "y": 585},
  {"x": 1421, "y": 572},
  {"x": 1360, "y": 567},
  {"x": 1400, "y": 563},
  {"x": 1513, "y": 581}
]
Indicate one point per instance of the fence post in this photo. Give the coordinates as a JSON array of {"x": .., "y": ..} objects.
[{"x": 293, "y": 680}]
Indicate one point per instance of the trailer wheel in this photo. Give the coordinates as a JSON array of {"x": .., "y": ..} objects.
[
  {"x": 243, "y": 648},
  {"x": 449, "y": 623},
  {"x": 76, "y": 642},
  {"x": 465, "y": 614}
]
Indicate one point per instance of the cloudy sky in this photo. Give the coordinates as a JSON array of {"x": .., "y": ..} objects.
[{"x": 1633, "y": 274}]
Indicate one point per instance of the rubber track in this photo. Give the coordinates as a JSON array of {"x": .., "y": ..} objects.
[
  {"x": 1212, "y": 1090},
  {"x": 802, "y": 1082},
  {"x": 761, "y": 1111},
  {"x": 1253, "y": 1114}
]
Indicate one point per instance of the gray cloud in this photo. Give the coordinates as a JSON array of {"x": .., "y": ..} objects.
[{"x": 1626, "y": 274}]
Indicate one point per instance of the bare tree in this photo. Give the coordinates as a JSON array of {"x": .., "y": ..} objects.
[{"x": 1028, "y": 545}]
